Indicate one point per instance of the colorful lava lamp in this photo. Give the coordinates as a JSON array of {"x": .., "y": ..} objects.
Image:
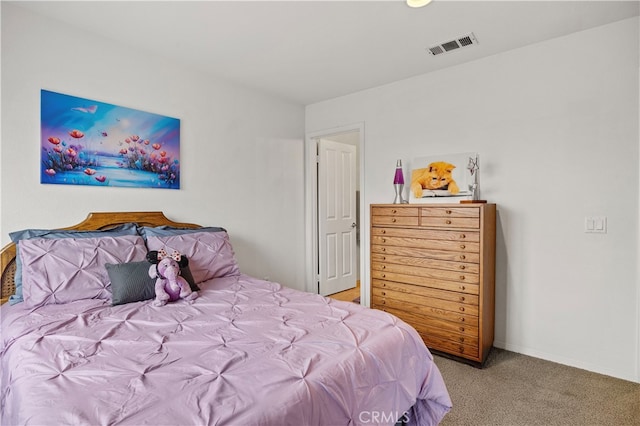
[{"x": 398, "y": 184}]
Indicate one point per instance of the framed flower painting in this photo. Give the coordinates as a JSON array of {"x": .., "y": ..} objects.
[{"x": 87, "y": 142}]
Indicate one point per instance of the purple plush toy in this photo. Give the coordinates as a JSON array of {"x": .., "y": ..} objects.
[{"x": 170, "y": 286}]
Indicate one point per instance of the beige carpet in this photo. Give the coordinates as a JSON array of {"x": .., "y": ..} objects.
[{"x": 515, "y": 390}]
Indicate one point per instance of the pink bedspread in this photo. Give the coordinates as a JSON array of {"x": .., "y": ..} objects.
[{"x": 247, "y": 352}]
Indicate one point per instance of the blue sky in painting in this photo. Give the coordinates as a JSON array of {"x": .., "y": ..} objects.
[{"x": 104, "y": 125}]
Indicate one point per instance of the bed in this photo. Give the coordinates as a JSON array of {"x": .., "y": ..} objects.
[{"x": 83, "y": 344}]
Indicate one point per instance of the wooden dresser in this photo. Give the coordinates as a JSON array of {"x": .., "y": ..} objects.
[{"x": 433, "y": 266}]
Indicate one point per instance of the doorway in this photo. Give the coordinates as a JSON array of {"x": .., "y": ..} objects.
[{"x": 334, "y": 259}]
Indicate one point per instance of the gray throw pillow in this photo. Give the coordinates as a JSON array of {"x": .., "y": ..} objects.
[{"x": 130, "y": 282}]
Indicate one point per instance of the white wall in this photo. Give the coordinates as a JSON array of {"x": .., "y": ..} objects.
[
  {"x": 556, "y": 127},
  {"x": 242, "y": 152}
]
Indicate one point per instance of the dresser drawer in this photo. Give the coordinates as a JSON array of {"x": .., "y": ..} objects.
[
  {"x": 428, "y": 234},
  {"x": 467, "y": 330},
  {"x": 457, "y": 212},
  {"x": 381, "y": 296},
  {"x": 444, "y": 345},
  {"x": 395, "y": 211},
  {"x": 425, "y": 281},
  {"x": 461, "y": 277},
  {"x": 441, "y": 339},
  {"x": 426, "y": 262},
  {"x": 450, "y": 217},
  {"x": 427, "y": 244},
  {"x": 468, "y": 337},
  {"x": 395, "y": 220},
  {"x": 404, "y": 216},
  {"x": 425, "y": 291},
  {"x": 450, "y": 222},
  {"x": 426, "y": 253},
  {"x": 455, "y": 319}
]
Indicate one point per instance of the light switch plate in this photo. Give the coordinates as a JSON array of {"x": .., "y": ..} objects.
[{"x": 595, "y": 224}]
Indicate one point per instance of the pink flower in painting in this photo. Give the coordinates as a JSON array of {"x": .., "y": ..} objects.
[
  {"x": 53, "y": 140},
  {"x": 163, "y": 153},
  {"x": 156, "y": 146},
  {"x": 135, "y": 138},
  {"x": 127, "y": 140},
  {"x": 50, "y": 172},
  {"x": 146, "y": 141},
  {"x": 123, "y": 151},
  {"x": 162, "y": 159},
  {"x": 142, "y": 152},
  {"x": 89, "y": 171},
  {"x": 57, "y": 148},
  {"x": 101, "y": 178},
  {"x": 76, "y": 134},
  {"x": 71, "y": 152}
]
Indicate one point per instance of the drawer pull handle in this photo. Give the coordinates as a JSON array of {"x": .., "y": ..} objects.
[
  {"x": 461, "y": 349},
  {"x": 462, "y": 299},
  {"x": 462, "y": 329},
  {"x": 384, "y": 276},
  {"x": 384, "y": 240},
  {"x": 384, "y": 266},
  {"x": 448, "y": 222},
  {"x": 384, "y": 293},
  {"x": 462, "y": 267},
  {"x": 384, "y": 231},
  {"x": 461, "y": 309},
  {"x": 448, "y": 211},
  {"x": 394, "y": 211},
  {"x": 461, "y": 319},
  {"x": 462, "y": 257},
  {"x": 461, "y": 339},
  {"x": 462, "y": 236},
  {"x": 393, "y": 220},
  {"x": 462, "y": 246},
  {"x": 462, "y": 287},
  {"x": 462, "y": 277},
  {"x": 384, "y": 249},
  {"x": 384, "y": 257}
]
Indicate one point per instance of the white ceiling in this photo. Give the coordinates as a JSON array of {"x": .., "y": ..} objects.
[{"x": 309, "y": 51}]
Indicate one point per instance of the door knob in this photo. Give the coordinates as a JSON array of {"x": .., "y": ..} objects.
[{"x": 353, "y": 225}]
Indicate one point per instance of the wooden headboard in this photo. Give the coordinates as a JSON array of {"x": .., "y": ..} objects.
[{"x": 94, "y": 221}]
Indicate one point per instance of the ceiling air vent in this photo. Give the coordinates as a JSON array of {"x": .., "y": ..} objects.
[{"x": 448, "y": 46}]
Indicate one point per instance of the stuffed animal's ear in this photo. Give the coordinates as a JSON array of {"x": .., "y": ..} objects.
[
  {"x": 183, "y": 261},
  {"x": 153, "y": 271},
  {"x": 152, "y": 256}
]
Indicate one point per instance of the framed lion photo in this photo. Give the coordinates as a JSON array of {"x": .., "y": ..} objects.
[{"x": 447, "y": 178}]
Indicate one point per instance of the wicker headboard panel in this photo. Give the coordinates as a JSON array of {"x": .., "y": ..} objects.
[{"x": 94, "y": 221}]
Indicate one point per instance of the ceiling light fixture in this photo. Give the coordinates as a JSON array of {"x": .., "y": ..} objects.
[{"x": 418, "y": 3}]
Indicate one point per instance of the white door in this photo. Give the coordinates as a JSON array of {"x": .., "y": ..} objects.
[{"x": 336, "y": 217}]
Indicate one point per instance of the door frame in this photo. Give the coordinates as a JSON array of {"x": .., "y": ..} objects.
[{"x": 311, "y": 206}]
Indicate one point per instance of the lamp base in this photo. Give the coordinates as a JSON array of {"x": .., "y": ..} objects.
[{"x": 398, "y": 198}]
